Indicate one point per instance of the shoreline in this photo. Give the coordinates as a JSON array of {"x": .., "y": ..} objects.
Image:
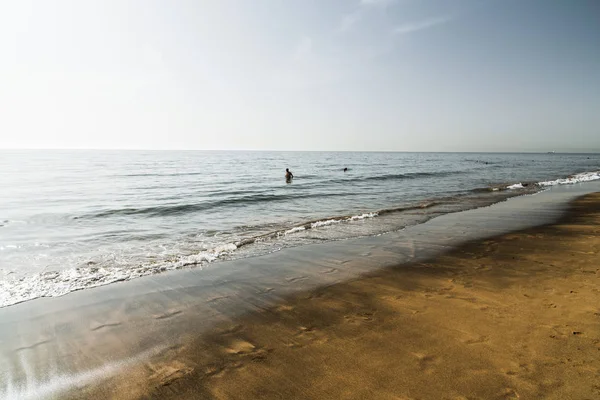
[
  {"x": 55, "y": 281},
  {"x": 515, "y": 316},
  {"x": 87, "y": 277},
  {"x": 85, "y": 340}
]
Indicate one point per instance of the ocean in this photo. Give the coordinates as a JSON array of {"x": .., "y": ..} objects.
[{"x": 71, "y": 220}]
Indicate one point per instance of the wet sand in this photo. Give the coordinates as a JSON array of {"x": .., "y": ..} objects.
[{"x": 513, "y": 316}]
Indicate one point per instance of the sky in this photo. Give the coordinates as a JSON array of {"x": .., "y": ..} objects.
[{"x": 373, "y": 75}]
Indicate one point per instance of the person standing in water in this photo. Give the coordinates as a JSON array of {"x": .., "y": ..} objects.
[{"x": 288, "y": 175}]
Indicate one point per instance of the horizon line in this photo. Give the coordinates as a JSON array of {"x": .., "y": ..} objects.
[{"x": 302, "y": 151}]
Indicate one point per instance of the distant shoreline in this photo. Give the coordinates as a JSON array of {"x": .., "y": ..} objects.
[{"x": 300, "y": 151}]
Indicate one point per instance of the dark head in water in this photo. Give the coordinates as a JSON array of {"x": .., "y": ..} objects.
[{"x": 345, "y": 169}]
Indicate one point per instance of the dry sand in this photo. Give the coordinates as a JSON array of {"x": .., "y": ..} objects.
[{"x": 517, "y": 316}]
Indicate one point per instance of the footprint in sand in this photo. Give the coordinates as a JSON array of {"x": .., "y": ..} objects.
[
  {"x": 360, "y": 317},
  {"x": 342, "y": 261},
  {"x": 240, "y": 346},
  {"x": 480, "y": 339},
  {"x": 240, "y": 351},
  {"x": 466, "y": 299},
  {"x": 330, "y": 271},
  {"x": 490, "y": 246},
  {"x": 215, "y": 299},
  {"x": 285, "y": 307},
  {"x": 427, "y": 362},
  {"x": 296, "y": 279},
  {"x": 509, "y": 393},
  {"x": 34, "y": 345},
  {"x": 168, "y": 314},
  {"x": 97, "y": 327},
  {"x": 482, "y": 268},
  {"x": 166, "y": 374},
  {"x": 526, "y": 367},
  {"x": 231, "y": 329},
  {"x": 445, "y": 290},
  {"x": 308, "y": 335},
  {"x": 214, "y": 370}
]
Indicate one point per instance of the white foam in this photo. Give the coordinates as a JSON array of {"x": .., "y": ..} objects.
[
  {"x": 294, "y": 230},
  {"x": 515, "y": 186},
  {"x": 224, "y": 248},
  {"x": 59, "y": 283},
  {"x": 582, "y": 177},
  {"x": 363, "y": 216},
  {"x": 326, "y": 222}
]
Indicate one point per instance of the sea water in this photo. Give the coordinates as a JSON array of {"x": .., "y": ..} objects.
[{"x": 70, "y": 220}]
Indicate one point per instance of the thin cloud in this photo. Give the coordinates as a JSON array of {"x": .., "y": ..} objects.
[
  {"x": 348, "y": 21},
  {"x": 303, "y": 49},
  {"x": 412, "y": 27},
  {"x": 381, "y": 3}
]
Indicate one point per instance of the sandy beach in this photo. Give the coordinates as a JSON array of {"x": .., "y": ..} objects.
[
  {"x": 366, "y": 199},
  {"x": 515, "y": 316}
]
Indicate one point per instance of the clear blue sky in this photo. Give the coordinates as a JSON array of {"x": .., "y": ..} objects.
[{"x": 405, "y": 75}]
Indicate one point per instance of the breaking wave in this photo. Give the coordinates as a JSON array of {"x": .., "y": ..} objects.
[{"x": 59, "y": 283}]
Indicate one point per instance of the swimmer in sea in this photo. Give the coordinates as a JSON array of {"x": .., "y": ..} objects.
[
  {"x": 288, "y": 175},
  {"x": 345, "y": 169}
]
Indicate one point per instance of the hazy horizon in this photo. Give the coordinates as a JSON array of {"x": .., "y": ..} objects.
[
  {"x": 362, "y": 75},
  {"x": 7, "y": 149}
]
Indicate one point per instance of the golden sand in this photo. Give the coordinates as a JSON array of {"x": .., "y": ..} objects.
[{"x": 517, "y": 316}]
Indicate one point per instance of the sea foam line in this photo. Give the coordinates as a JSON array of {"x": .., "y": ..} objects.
[
  {"x": 60, "y": 283},
  {"x": 577, "y": 178}
]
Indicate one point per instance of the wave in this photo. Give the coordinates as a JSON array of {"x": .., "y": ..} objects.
[
  {"x": 294, "y": 230},
  {"x": 422, "y": 205},
  {"x": 409, "y": 175},
  {"x": 178, "y": 209},
  {"x": 350, "y": 179},
  {"x": 483, "y": 162},
  {"x": 570, "y": 180},
  {"x": 577, "y": 178},
  {"x": 168, "y": 174},
  {"x": 241, "y": 198},
  {"x": 323, "y": 222},
  {"x": 59, "y": 283},
  {"x": 314, "y": 224}
]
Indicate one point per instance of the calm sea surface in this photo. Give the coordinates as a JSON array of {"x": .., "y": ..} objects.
[{"x": 76, "y": 219}]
